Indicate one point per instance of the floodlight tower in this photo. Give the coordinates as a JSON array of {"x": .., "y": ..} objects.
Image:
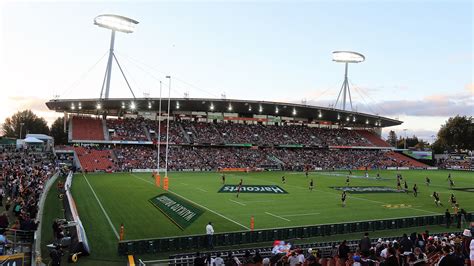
[
  {"x": 114, "y": 23},
  {"x": 346, "y": 57}
]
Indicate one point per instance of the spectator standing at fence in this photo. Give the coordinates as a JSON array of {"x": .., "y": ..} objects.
[
  {"x": 406, "y": 244},
  {"x": 343, "y": 252},
  {"x": 447, "y": 217},
  {"x": 365, "y": 244},
  {"x": 198, "y": 260},
  {"x": 209, "y": 233}
]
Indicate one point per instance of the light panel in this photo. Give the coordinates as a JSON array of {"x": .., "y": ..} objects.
[
  {"x": 116, "y": 22},
  {"x": 347, "y": 57}
]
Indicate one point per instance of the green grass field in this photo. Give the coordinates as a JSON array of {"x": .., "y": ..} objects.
[{"x": 108, "y": 200}]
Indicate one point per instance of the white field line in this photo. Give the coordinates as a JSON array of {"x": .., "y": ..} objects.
[
  {"x": 240, "y": 203},
  {"x": 301, "y": 214},
  {"x": 203, "y": 190},
  {"x": 357, "y": 198},
  {"x": 184, "y": 184},
  {"x": 274, "y": 215},
  {"x": 204, "y": 207},
  {"x": 102, "y": 207}
]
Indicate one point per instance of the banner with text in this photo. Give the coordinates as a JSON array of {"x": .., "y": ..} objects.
[{"x": 252, "y": 189}]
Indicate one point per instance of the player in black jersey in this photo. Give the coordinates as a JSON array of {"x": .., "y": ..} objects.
[
  {"x": 343, "y": 199},
  {"x": 437, "y": 200}
]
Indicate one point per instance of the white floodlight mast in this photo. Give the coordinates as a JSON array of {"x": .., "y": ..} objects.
[
  {"x": 114, "y": 23},
  {"x": 346, "y": 57}
]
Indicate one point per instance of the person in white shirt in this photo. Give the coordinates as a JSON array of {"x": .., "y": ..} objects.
[
  {"x": 218, "y": 261},
  {"x": 209, "y": 233}
]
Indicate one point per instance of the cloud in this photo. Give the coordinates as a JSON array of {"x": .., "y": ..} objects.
[
  {"x": 35, "y": 104},
  {"x": 470, "y": 88}
]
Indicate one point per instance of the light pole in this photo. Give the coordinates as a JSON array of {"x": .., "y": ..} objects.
[
  {"x": 21, "y": 128},
  {"x": 405, "y": 145},
  {"x": 168, "y": 126},
  {"x": 346, "y": 57},
  {"x": 120, "y": 24}
]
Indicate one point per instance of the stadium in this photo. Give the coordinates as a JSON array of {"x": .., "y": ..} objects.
[{"x": 217, "y": 181}]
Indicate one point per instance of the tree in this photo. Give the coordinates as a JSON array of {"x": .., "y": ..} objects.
[
  {"x": 457, "y": 134},
  {"x": 58, "y": 133},
  {"x": 392, "y": 138},
  {"x": 26, "y": 122},
  {"x": 410, "y": 142}
]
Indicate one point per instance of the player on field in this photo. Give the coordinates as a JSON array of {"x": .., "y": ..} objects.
[
  {"x": 449, "y": 177},
  {"x": 451, "y": 183},
  {"x": 399, "y": 186},
  {"x": 223, "y": 178},
  {"x": 350, "y": 172},
  {"x": 378, "y": 176},
  {"x": 436, "y": 197},
  {"x": 366, "y": 174},
  {"x": 347, "y": 181},
  {"x": 283, "y": 179},
  {"x": 306, "y": 173},
  {"x": 415, "y": 190},
  {"x": 427, "y": 181},
  {"x": 343, "y": 198},
  {"x": 406, "y": 187},
  {"x": 240, "y": 187},
  {"x": 311, "y": 185},
  {"x": 453, "y": 200}
]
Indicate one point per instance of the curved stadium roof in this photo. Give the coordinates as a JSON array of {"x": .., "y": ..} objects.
[{"x": 245, "y": 108}]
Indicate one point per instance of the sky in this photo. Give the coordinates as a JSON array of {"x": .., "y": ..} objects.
[{"x": 418, "y": 68}]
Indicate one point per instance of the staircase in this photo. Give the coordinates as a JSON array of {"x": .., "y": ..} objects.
[
  {"x": 185, "y": 134},
  {"x": 105, "y": 129},
  {"x": 374, "y": 139},
  {"x": 94, "y": 160},
  {"x": 147, "y": 133}
]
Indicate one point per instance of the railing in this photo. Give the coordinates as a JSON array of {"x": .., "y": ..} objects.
[
  {"x": 182, "y": 243},
  {"x": 325, "y": 250},
  {"x": 19, "y": 242}
]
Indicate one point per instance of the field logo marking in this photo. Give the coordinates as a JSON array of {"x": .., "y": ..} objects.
[
  {"x": 252, "y": 189},
  {"x": 180, "y": 212},
  {"x": 202, "y": 206},
  {"x": 277, "y": 216},
  {"x": 102, "y": 207},
  {"x": 397, "y": 206}
]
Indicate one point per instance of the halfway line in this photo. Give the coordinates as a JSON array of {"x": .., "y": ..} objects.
[
  {"x": 102, "y": 207},
  {"x": 274, "y": 215}
]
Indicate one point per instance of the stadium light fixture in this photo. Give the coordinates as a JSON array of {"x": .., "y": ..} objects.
[
  {"x": 116, "y": 23},
  {"x": 276, "y": 110},
  {"x": 132, "y": 106},
  {"x": 260, "y": 109},
  {"x": 72, "y": 106},
  {"x": 250, "y": 108},
  {"x": 230, "y": 107},
  {"x": 338, "y": 117},
  {"x": 149, "y": 105},
  {"x": 99, "y": 106},
  {"x": 212, "y": 107},
  {"x": 177, "y": 105},
  {"x": 353, "y": 119},
  {"x": 346, "y": 57},
  {"x": 294, "y": 111},
  {"x": 120, "y": 24},
  {"x": 320, "y": 114},
  {"x": 347, "y": 119},
  {"x": 366, "y": 122}
]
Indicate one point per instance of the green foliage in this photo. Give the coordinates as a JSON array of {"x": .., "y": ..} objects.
[
  {"x": 26, "y": 122},
  {"x": 57, "y": 132},
  {"x": 411, "y": 142},
  {"x": 392, "y": 138},
  {"x": 457, "y": 134}
]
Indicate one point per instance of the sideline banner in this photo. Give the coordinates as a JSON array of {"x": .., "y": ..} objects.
[
  {"x": 179, "y": 211},
  {"x": 252, "y": 189}
]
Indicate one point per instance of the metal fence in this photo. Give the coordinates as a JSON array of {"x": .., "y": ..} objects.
[
  {"x": 183, "y": 243},
  {"x": 19, "y": 241}
]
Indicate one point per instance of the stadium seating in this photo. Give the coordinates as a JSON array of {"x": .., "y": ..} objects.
[
  {"x": 127, "y": 129},
  {"x": 374, "y": 139},
  {"x": 402, "y": 160},
  {"x": 92, "y": 159},
  {"x": 87, "y": 128}
]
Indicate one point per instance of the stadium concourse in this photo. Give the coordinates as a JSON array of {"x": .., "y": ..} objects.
[{"x": 126, "y": 144}]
